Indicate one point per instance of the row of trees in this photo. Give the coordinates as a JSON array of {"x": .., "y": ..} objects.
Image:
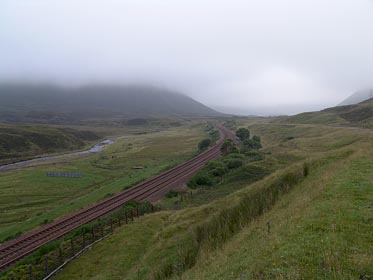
[
  {"x": 229, "y": 147},
  {"x": 234, "y": 156}
]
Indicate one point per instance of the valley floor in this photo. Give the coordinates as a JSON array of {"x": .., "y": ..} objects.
[{"x": 29, "y": 198}]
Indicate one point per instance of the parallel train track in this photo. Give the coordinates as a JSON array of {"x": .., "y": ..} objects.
[{"x": 14, "y": 250}]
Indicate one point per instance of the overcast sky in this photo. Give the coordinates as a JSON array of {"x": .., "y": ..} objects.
[{"x": 253, "y": 56}]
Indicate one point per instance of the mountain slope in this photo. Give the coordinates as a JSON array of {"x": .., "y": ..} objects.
[
  {"x": 359, "y": 115},
  {"x": 41, "y": 103},
  {"x": 357, "y": 97},
  {"x": 24, "y": 142}
]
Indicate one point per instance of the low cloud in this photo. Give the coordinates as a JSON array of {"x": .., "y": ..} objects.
[{"x": 259, "y": 56}]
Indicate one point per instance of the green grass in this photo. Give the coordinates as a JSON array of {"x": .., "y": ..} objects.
[
  {"x": 322, "y": 230},
  {"x": 247, "y": 250},
  {"x": 320, "y": 224},
  {"x": 29, "y": 198}
]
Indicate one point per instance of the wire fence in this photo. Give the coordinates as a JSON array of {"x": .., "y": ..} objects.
[
  {"x": 61, "y": 252},
  {"x": 64, "y": 174}
]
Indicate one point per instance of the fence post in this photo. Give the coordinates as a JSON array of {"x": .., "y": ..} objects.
[
  {"x": 60, "y": 254},
  {"x": 102, "y": 230},
  {"x": 93, "y": 233},
  {"x": 111, "y": 225},
  {"x": 119, "y": 221},
  {"x": 30, "y": 272},
  {"x": 137, "y": 211},
  {"x": 152, "y": 208},
  {"x": 83, "y": 238},
  {"x": 132, "y": 218},
  {"x": 126, "y": 214},
  {"x": 72, "y": 246},
  {"x": 46, "y": 265}
]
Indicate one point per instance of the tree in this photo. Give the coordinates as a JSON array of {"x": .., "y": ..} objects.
[
  {"x": 227, "y": 147},
  {"x": 204, "y": 144},
  {"x": 243, "y": 134}
]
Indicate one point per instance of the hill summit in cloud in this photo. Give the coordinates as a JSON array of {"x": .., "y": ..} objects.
[
  {"x": 45, "y": 103},
  {"x": 357, "y": 97}
]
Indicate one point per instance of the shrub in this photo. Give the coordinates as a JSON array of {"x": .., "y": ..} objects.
[
  {"x": 201, "y": 179},
  {"x": 233, "y": 163},
  {"x": 214, "y": 134},
  {"x": 216, "y": 168},
  {"x": 256, "y": 138},
  {"x": 204, "y": 144},
  {"x": 251, "y": 144},
  {"x": 243, "y": 134},
  {"x": 172, "y": 194}
]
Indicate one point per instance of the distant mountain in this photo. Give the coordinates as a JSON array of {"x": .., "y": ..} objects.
[
  {"x": 357, "y": 97},
  {"x": 357, "y": 115},
  {"x": 53, "y": 104}
]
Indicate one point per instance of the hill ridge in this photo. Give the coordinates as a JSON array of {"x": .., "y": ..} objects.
[
  {"x": 358, "y": 115},
  {"x": 357, "y": 97},
  {"x": 56, "y": 104}
]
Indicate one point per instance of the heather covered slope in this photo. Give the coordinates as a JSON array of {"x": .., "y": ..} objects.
[
  {"x": 52, "y": 104},
  {"x": 24, "y": 142}
]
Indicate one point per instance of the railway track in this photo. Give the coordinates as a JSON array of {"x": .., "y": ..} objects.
[{"x": 16, "y": 249}]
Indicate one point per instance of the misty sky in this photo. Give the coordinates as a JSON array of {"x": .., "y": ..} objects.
[{"x": 251, "y": 57}]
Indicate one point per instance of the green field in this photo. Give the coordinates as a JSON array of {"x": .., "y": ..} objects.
[
  {"x": 29, "y": 198},
  {"x": 296, "y": 223}
]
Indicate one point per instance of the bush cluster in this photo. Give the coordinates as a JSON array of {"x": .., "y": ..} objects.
[
  {"x": 214, "y": 171},
  {"x": 249, "y": 143}
]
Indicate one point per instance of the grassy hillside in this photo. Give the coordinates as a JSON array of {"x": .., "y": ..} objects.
[
  {"x": 23, "y": 142},
  {"x": 322, "y": 230},
  {"x": 308, "y": 221},
  {"x": 58, "y": 105},
  {"x": 360, "y": 115}
]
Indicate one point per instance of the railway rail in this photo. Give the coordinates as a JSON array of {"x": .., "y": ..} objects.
[{"x": 14, "y": 250}]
